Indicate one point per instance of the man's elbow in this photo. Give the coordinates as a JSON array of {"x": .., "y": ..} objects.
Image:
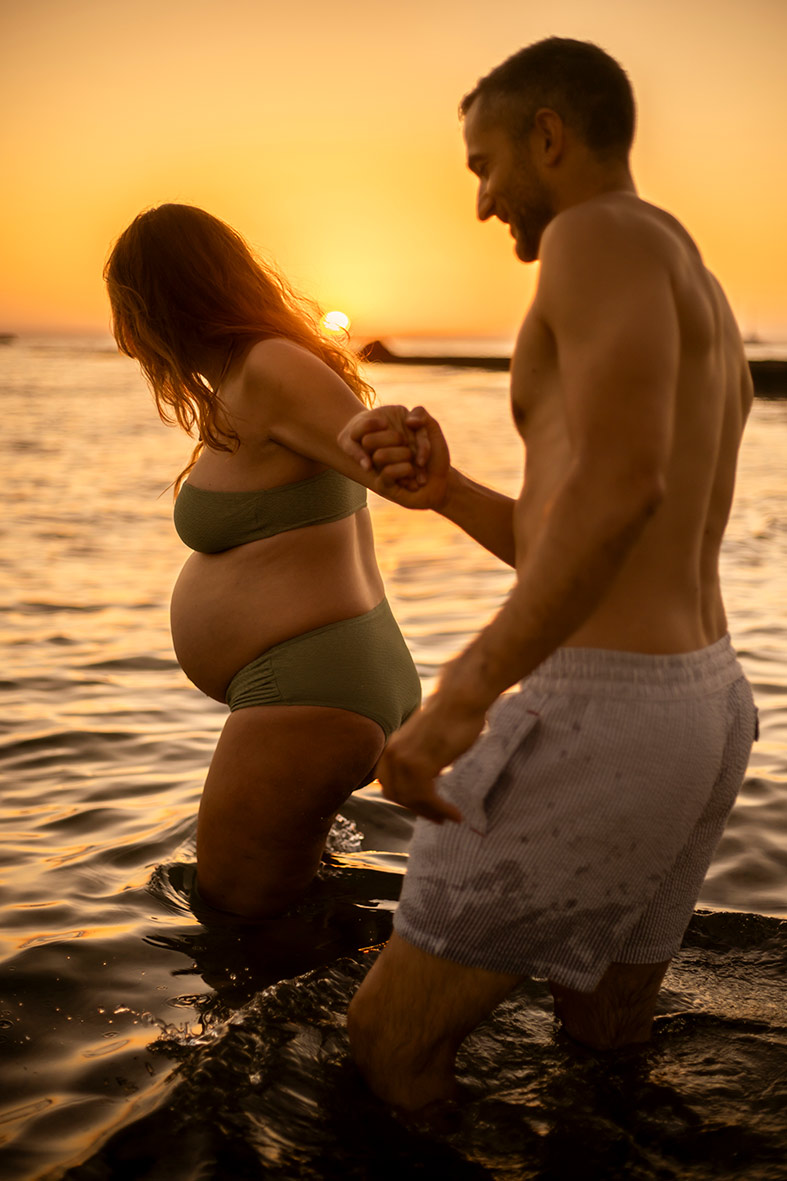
[
  {"x": 633, "y": 489},
  {"x": 651, "y": 488},
  {"x": 635, "y": 497}
]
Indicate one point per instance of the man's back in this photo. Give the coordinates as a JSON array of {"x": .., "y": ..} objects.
[{"x": 630, "y": 347}]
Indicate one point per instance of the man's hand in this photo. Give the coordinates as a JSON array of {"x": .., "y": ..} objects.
[
  {"x": 407, "y": 451},
  {"x": 416, "y": 754}
]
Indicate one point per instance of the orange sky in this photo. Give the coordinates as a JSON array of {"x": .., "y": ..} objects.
[{"x": 327, "y": 134}]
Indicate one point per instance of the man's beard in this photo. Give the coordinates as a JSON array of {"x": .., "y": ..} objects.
[
  {"x": 532, "y": 211},
  {"x": 529, "y": 230}
]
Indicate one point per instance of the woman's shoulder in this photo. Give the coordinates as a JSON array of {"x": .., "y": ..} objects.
[
  {"x": 283, "y": 382},
  {"x": 281, "y": 377},
  {"x": 276, "y": 359}
]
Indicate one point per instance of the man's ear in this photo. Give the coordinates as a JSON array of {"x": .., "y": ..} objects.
[{"x": 548, "y": 136}]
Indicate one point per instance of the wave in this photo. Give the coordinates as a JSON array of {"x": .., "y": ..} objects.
[{"x": 271, "y": 1091}]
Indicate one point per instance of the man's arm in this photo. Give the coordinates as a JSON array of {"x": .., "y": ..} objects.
[
  {"x": 611, "y": 310},
  {"x": 484, "y": 514}
]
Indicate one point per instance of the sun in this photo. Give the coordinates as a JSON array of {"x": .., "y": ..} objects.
[{"x": 335, "y": 323}]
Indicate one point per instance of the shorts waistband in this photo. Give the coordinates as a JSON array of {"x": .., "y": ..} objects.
[{"x": 639, "y": 673}]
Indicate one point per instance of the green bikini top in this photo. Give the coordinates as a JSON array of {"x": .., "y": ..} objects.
[{"x": 214, "y": 521}]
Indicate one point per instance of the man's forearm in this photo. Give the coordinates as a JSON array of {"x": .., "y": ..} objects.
[{"x": 485, "y": 515}]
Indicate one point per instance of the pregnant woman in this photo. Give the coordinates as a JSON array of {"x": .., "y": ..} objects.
[{"x": 280, "y": 612}]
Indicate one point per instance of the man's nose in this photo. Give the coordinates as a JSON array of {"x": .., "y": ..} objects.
[{"x": 485, "y": 205}]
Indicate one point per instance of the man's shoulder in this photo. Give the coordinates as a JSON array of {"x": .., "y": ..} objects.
[
  {"x": 604, "y": 220},
  {"x": 614, "y": 235}
]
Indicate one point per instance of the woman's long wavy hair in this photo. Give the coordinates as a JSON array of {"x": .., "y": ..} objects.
[{"x": 181, "y": 281}]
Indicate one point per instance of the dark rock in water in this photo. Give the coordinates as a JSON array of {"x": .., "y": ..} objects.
[
  {"x": 769, "y": 377},
  {"x": 272, "y": 1092},
  {"x": 378, "y": 352}
]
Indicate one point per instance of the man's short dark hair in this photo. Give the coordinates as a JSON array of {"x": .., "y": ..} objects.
[{"x": 576, "y": 79}]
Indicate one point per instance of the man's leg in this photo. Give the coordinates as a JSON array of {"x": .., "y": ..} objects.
[
  {"x": 619, "y": 1012},
  {"x": 414, "y": 1010},
  {"x": 409, "y": 1018}
]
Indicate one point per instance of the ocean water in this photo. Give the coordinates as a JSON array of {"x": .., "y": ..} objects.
[{"x": 140, "y": 1037}]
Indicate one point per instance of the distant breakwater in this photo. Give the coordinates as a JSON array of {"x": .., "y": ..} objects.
[{"x": 769, "y": 376}]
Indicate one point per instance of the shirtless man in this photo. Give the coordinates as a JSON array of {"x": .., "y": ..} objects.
[{"x": 570, "y": 839}]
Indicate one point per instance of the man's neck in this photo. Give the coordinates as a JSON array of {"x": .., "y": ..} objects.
[{"x": 595, "y": 179}]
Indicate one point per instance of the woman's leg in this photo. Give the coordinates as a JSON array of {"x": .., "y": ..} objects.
[{"x": 278, "y": 776}]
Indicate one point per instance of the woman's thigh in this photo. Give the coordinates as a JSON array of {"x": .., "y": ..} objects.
[{"x": 276, "y": 780}]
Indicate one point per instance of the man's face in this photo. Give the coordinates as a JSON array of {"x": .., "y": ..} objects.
[{"x": 509, "y": 187}]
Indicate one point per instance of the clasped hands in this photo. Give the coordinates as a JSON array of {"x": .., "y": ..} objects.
[{"x": 404, "y": 451}]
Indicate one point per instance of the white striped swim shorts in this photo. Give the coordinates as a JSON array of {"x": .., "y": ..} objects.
[{"x": 592, "y": 805}]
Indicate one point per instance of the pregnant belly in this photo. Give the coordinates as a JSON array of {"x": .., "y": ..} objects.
[{"x": 229, "y": 608}]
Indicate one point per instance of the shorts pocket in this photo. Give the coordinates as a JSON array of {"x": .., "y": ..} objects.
[{"x": 473, "y": 775}]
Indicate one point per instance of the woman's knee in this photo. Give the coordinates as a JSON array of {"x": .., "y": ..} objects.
[
  {"x": 247, "y": 899},
  {"x": 260, "y": 874}
]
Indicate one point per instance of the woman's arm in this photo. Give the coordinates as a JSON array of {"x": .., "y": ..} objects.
[
  {"x": 485, "y": 515},
  {"x": 293, "y": 398}
]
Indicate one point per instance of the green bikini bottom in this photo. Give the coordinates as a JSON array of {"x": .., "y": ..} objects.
[{"x": 360, "y": 664}]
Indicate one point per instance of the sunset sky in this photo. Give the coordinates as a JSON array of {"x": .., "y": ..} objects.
[{"x": 327, "y": 134}]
